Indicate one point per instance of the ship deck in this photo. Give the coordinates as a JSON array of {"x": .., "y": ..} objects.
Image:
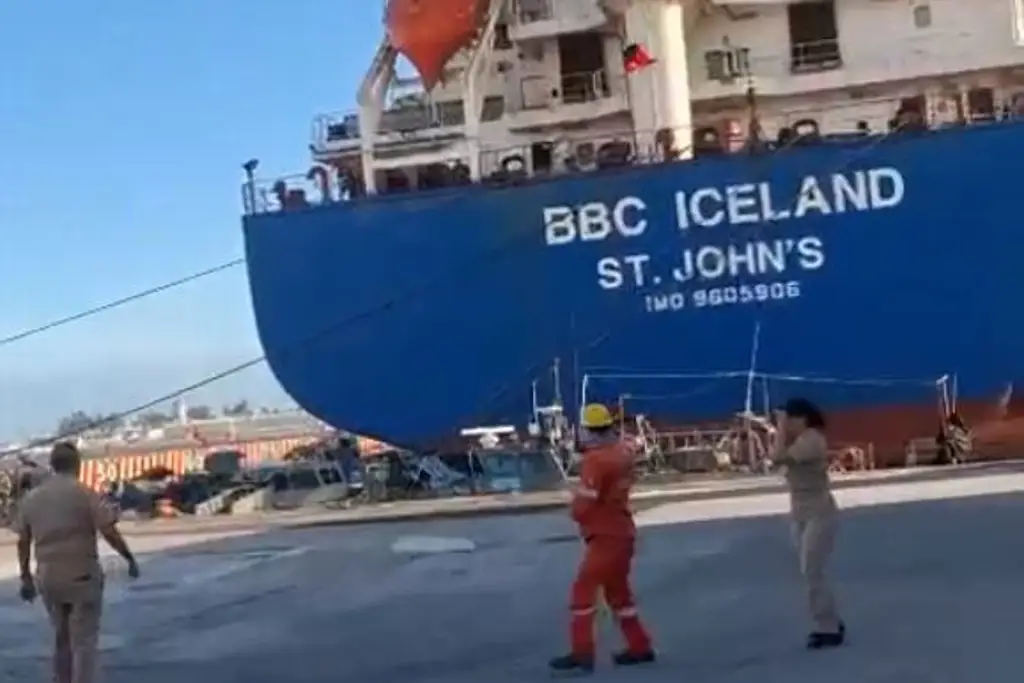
[{"x": 928, "y": 573}]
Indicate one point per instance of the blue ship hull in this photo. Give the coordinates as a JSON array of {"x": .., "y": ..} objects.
[{"x": 888, "y": 263}]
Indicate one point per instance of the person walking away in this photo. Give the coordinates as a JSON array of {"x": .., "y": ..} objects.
[
  {"x": 803, "y": 450},
  {"x": 600, "y": 506},
  {"x": 61, "y": 519}
]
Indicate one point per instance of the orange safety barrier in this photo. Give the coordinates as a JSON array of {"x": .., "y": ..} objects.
[
  {"x": 97, "y": 472},
  {"x": 368, "y": 446}
]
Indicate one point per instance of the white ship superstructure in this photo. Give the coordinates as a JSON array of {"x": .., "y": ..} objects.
[{"x": 544, "y": 90}]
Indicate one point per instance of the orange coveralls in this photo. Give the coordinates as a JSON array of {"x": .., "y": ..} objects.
[{"x": 600, "y": 507}]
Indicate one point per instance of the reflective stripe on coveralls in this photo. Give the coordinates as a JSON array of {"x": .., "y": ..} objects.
[{"x": 601, "y": 508}]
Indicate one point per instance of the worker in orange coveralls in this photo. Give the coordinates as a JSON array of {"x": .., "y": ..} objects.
[{"x": 600, "y": 506}]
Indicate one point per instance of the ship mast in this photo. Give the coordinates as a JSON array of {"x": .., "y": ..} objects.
[
  {"x": 755, "y": 133},
  {"x": 556, "y": 374},
  {"x": 748, "y": 403}
]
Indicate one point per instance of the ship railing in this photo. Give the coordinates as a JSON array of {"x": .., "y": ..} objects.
[
  {"x": 612, "y": 150},
  {"x": 319, "y": 186},
  {"x": 335, "y": 130},
  {"x": 815, "y": 55},
  {"x": 339, "y": 131},
  {"x": 411, "y": 117},
  {"x": 543, "y": 91}
]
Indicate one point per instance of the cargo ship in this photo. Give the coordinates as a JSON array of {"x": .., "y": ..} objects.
[{"x": 689, "y": 208}]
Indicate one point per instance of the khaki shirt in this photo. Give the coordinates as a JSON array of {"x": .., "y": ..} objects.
[
  {"x": 64, "y": 519},
  {"x": 806, "y": 461}
]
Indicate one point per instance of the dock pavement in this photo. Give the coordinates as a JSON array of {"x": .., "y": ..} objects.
[
  {"x": 700, "y": 487},
  {"x": 928, "y": 571}
]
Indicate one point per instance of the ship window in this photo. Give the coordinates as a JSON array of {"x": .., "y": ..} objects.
[
  {"x": 981, "y": 104},
  {"x": 912, "y": 115},
  {"x": 922, "y": 16},
  {"x": 501, "y": 37},
  {"x": 541, "y": 154},
  {"x": 813, "y": 36},
  {"x": 493, "y": 108},
  {"x": 450, "y": 113},
  {"x": 534, "y": 10},
  {"x": 582, "y": 64}
]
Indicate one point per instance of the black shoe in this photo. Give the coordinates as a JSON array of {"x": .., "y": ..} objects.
[
  {"x": 628, "y": 658},
  {"x": 819, "y": 640},
  {"x": 572, "y": 664}
]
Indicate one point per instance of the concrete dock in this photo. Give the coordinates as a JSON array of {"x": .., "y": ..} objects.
[{"x": 930, "y": 575}]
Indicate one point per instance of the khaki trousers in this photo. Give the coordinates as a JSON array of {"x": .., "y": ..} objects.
[
  {"x": 74, "y": 606},
  {"x": 815, "y": 537}
]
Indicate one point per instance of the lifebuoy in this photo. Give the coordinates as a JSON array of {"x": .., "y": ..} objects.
[
  {"x": 322, "y": 177},
  {"x": 513, "y": 164}
]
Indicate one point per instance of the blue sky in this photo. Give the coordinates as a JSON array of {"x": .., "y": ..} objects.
[{"x": 123, "y": 125}]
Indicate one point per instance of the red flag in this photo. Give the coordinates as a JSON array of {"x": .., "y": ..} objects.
[{"x": 635, "y": 57}]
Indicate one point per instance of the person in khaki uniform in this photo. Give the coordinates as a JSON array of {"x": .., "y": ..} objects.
[
  {"x": 803, "y": 450},
  {"x": 62, "y": 518}
]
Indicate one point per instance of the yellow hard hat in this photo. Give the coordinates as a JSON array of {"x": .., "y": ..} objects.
[{"x": 596, "y": 416}]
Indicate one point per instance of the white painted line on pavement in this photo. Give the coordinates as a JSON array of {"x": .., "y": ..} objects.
[
  {"x": 182, "y": 574},
  {"x": 778, "y": 503},
  {"x": 221, "y": 569}
]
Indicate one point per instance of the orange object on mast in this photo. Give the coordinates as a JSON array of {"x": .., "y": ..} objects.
[{"x": 430, "y": 32}]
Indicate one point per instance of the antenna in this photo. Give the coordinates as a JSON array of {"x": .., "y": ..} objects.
[
  {"x": 748, "y": 403},
  {"x": 584, "y": 386},
  {"x": 766, "y": 401},
  {"x": 576, "y": 377},
  {"x": 755, "y": 132},
  {"x": 556, "y": 371}
]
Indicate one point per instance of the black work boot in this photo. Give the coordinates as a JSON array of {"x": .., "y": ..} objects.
[
  {"x": 572, "y": 664},
  {"x": 627, "y": 658},
  {"x": 820, "y": 640}
]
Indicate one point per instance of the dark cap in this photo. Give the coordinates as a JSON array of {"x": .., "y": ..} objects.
[{"x": 806, "y": 409}]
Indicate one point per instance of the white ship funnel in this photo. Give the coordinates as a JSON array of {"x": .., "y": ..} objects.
[{"x": 660, "y": 93}]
